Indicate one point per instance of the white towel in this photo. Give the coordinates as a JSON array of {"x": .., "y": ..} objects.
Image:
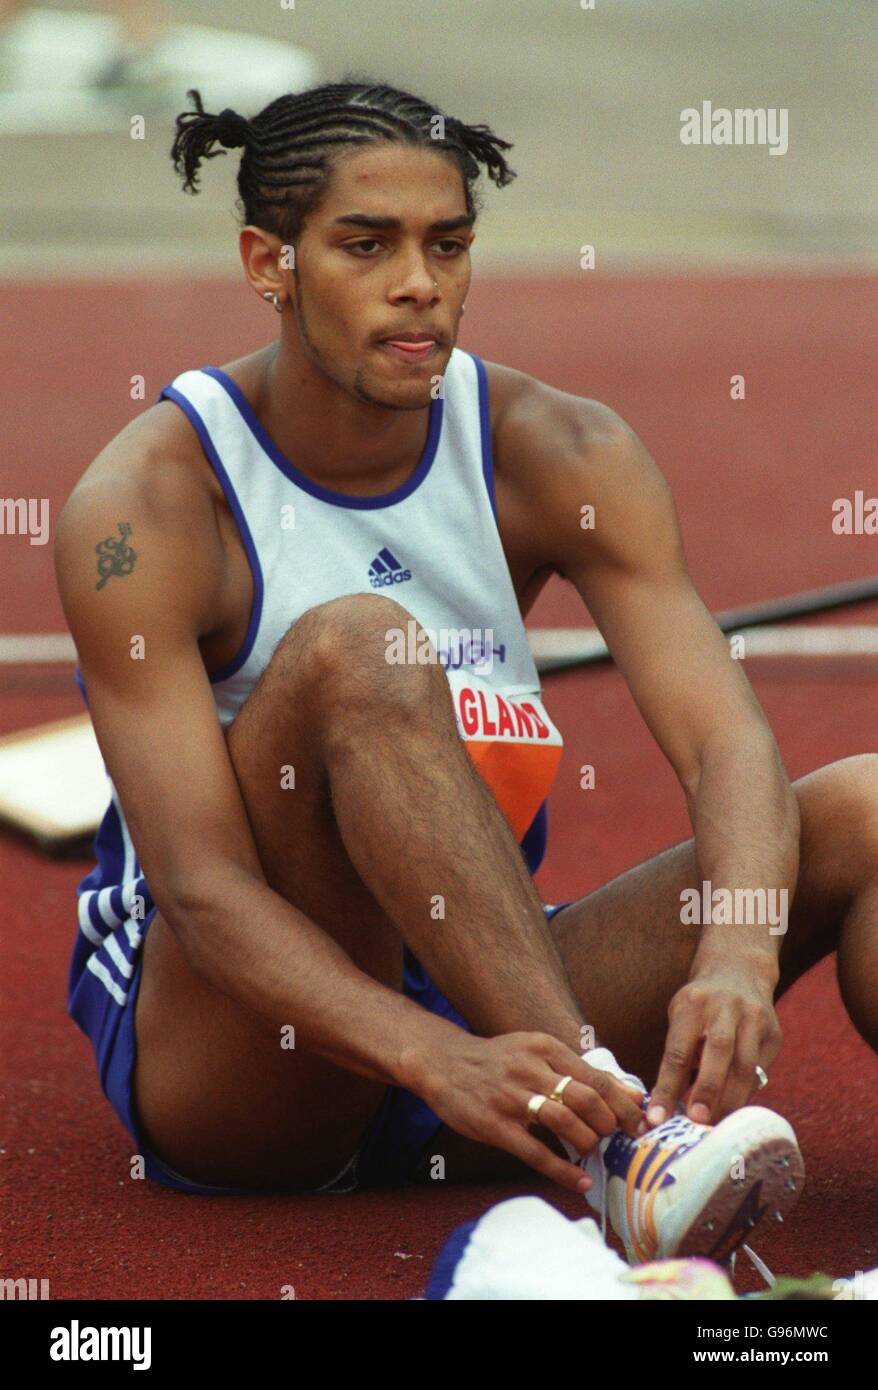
[{"x": 526, "y": 1249}]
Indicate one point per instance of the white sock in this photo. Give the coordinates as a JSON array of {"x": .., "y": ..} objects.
[{"x": 603, "y": 1059}]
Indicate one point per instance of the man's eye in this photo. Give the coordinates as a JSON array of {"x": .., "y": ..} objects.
[{"x": 452, "y": 246}]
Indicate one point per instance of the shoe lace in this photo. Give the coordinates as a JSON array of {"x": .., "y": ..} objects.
[
  {"x": 759, "y": 1265},
  {"x": 598, "y": 1174}
]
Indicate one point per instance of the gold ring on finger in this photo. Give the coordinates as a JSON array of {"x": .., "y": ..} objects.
[
  {"x": 559, "y": 1089},
  {"x": 534, "y": 1106}
]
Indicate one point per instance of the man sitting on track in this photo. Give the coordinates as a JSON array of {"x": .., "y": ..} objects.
[{"x": 311, "y": 955}]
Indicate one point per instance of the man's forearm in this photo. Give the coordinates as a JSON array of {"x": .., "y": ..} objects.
[
  {"x": 746, "y": 821},
  {"x": 258, "y": 949}
]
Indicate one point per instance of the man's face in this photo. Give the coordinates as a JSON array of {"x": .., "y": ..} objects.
[{"x": 358, "y": 283}]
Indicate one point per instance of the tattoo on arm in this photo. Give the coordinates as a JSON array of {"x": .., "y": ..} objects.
[{"x": 114, "y": 556}]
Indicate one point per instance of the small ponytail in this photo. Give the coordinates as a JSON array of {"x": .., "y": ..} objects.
[{"x": 197, "y": 131}]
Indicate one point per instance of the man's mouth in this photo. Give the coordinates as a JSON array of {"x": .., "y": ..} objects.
[{"x": 411, "y": 347}]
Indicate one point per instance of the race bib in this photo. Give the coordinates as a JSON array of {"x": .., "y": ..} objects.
[{"x": 512, "y": 742}]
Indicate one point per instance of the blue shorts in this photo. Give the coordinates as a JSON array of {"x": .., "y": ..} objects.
[{"x": 392, "y": 1147}]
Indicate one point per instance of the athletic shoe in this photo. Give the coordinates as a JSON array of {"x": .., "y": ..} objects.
[{"x": 687, "y": 1189}]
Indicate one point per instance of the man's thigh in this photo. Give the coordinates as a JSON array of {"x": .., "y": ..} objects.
[
  {"x": 627, "y": 951},
  {"x": 216, "y": 1095},
  {"x": 219, "y": 1099}
]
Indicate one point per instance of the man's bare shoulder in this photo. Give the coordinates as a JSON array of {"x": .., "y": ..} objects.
[
  {"x": 142, "y": 484},
  {"x": 156, "y": 455},
  {"x": 148, "y": 479},
  {"x": 536, "y": 426},
  {"x": 554, "y": 453}
]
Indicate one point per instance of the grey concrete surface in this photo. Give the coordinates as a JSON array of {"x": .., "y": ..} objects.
[{"x": 590, "y": 98}]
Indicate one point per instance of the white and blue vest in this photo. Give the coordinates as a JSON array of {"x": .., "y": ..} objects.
[{"x": 432, "y": 544}]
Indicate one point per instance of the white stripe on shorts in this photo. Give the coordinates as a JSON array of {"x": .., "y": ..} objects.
[{"x": 98, "y": 969}]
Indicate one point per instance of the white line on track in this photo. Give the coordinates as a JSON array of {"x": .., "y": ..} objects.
[
  {"x": 547, "y": 643},
  {"x": 555, "y": 643},
  {"x": 23, "y": 648}
]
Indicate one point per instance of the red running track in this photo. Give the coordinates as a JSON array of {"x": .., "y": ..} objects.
[{"x": 754, "y": 483}]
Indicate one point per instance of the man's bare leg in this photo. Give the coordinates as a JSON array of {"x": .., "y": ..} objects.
[
  {"x": 386, "y": 818},
  {"x": 386, "y": 810},
  {"x": 627, "y": 953}
]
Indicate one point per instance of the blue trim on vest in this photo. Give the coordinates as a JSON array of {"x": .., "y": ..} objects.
[
  {"x": 172, "y": 394},
  {"x": 324, "y": 494},
  {"x": 485, "y": 425}
]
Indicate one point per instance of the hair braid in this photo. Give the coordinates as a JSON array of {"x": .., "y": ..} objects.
[{"x": 290, "y": 147}]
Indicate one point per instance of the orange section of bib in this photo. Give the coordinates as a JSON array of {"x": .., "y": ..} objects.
[{"x": 518, "y": 774}]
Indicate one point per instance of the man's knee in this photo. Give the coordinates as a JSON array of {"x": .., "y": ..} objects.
[
  {"x": 839, "y": 807},
  {"x": 838, "y": 856},
  {"x": 357, "y": 651}
]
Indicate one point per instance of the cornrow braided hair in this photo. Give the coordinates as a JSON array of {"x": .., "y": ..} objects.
[{"x": 290, "y": 146}]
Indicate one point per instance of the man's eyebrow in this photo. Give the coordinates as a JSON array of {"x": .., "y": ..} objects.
[{"x": 393, "y": 224}]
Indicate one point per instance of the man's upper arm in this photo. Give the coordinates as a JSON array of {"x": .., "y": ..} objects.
[
  {"x": 149, "y": 696},
  {"x": 630, "y": 569}
]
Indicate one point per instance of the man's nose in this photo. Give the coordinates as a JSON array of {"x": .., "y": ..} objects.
[{"x": 416, "y": 282}]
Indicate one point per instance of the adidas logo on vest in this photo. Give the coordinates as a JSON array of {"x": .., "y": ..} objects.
[{"x": 385, "y": 570}]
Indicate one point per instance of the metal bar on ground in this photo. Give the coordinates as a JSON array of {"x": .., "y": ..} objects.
[
  {"x": 591, "y": 650},
  {"x": 780, "y": 610}
]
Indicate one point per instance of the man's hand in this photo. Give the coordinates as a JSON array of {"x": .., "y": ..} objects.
[
  {"x": 481, "y": 1086},
  {"x": 722, "y": 1024}
]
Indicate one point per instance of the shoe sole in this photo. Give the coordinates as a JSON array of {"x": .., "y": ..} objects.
[{"x": 775, "y": 1174}]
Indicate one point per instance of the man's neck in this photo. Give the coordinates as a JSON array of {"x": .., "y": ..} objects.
[{"x": 336, "y": 440}]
